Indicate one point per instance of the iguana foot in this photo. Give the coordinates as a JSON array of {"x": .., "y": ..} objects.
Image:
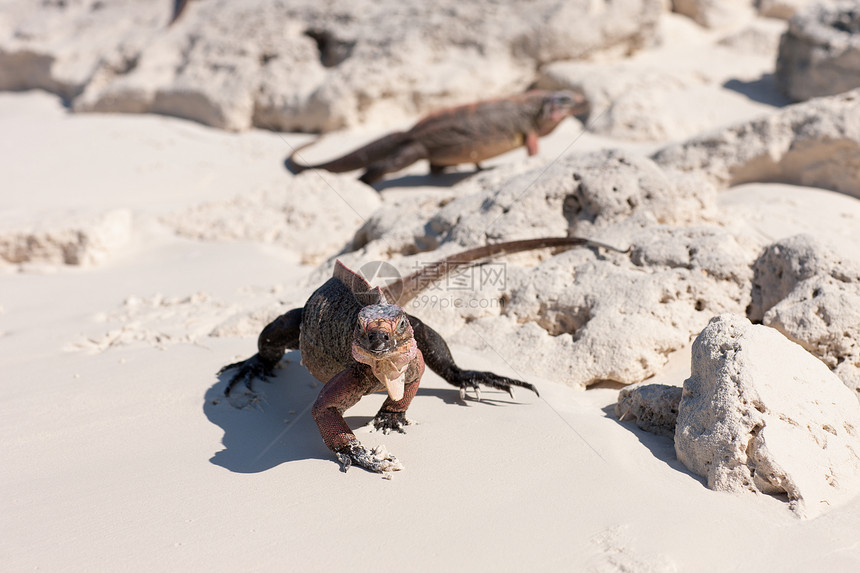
[
  {"x": 391, "y": 421},
  {"x": 472, "y": 379},
  {"x": 376, "y": 460},
  {"x": 477, "y": 390},
  {"x": 247, "y": 371}
]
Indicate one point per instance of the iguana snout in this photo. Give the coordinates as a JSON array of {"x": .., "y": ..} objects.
[
  {"x": 557, "y": 106},
  {"x": 380, "y": 340},
  {"x": 567, "y": 102}
]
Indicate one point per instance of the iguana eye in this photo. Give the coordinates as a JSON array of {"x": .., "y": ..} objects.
[{"x": 401, "y": 326}]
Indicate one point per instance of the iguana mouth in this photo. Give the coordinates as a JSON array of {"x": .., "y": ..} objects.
[
  {"x": 387, "y": 350},
  {"x": 390, "y": 366},
  {"x": 380, "y": 341}
]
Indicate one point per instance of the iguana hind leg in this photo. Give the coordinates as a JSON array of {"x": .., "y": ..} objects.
[
  {"x": 280, "y": 334},
  {"x": 405, "y": 155},
  {"x": 437, "y": 356}
]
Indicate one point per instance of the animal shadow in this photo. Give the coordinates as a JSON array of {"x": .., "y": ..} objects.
[
  {"x": 451, "y": 395},
  {"x": 447, "y": 179},
  {"x": 278, "y": 428},
  {"x": 762, "y": 90}
]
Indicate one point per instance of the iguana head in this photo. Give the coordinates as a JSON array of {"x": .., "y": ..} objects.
[
  {"x": 383, "y": 339},
  {"x": 557, "y": 106}
]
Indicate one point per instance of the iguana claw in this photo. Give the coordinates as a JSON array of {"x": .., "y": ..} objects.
[
  {"x": 391, "y": 421},
  {"x": 473, "y": 378},
  {"x": 248, "y": 370},
  {"x": 474, "y": 387},
  {"x": 376, "y": 460}
]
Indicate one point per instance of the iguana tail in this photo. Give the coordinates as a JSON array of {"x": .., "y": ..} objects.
[
  {"x": 361, "y": 158},
  {"x": 405, "y": 289}
]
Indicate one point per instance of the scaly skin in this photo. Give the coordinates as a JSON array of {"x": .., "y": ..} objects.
[
  {"x": 355, "y": 342},
  {"x": 464, "y": 134}
]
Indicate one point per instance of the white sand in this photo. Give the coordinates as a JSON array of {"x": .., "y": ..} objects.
[{"x": 117, "y": 453}]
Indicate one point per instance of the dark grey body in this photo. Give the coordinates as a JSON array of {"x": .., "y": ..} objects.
[{"x": 328, "y": 320}]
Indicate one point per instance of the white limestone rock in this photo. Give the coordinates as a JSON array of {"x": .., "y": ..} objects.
[
  {"x": 781, "y": 266},
  {"x": 782, "y": 9},
  {"x": 302, "y": 65},
  {"x": 576, "y": 193},
  {"x": 815, "y": 143},
  {"x": 819, "y": 54},
  {"x": 632, "y": 103},
  {"x": 812, "y": 296},
  {"x": 760, "y": 414},
  {"x": 663, "y": 113},
  {"x": 63, "y": 46},
  {"x": 589, "y": 317},
  {"x": 576, "y": 29},
  {"x": 822, "y": 314},
  {"x": 654, "y": 407},
  {"x": 60, "y": 237},
  {"x": 715, "y": 13},
  {"x": 759, "y": 39},
  {"x": 639, "y": 98}
]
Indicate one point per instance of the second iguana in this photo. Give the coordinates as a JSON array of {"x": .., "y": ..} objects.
[{"x": 464, "y": 134}]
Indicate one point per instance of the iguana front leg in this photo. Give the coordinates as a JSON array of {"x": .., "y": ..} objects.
[
  {"x": 392, "y": 414},
  {"x": 438, "y": 357},
  {"x": 338, "y": 395},
  {"x": 280, "y": 334}
]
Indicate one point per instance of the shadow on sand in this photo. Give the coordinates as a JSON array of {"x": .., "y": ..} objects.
[
  {"x": 429, "y": 180},
  {"x": 662, "y": 447},
  {"x": 763, "y": 90},
  {"x": 281, "y": 429}
]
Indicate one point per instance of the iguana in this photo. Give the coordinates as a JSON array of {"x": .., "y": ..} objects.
[
  {"x": 358, "y": 340},
  {"x": 464, "y": 134}
]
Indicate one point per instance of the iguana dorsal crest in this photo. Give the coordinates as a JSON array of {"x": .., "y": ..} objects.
[{"x": 359, "y": 286}]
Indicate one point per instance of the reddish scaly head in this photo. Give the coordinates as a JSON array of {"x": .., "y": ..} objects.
[
  {"x": 385, "y": 342},
  {"x": 381, "y": 328},
  {"x": 557, "y": 106}
]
